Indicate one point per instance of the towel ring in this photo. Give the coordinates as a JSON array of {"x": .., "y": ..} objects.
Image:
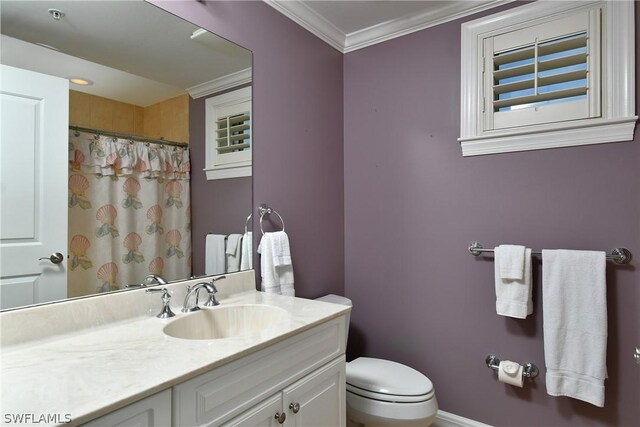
[
  {"x": 263, "y": 209},
  {"x": 246, "y": 224}
]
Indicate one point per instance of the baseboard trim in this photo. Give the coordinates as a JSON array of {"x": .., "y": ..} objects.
[{"x": 447, "y": 419}]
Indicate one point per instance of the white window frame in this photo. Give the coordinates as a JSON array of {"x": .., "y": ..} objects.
[
  {"x": 216, "y": 166},
  {"x": 617, "y": 120}
]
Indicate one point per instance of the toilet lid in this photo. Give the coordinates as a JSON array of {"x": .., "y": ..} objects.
[{"x": 386, "y": 378}]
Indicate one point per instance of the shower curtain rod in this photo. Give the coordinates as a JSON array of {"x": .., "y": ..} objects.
[{"x": 131, "y": 137}]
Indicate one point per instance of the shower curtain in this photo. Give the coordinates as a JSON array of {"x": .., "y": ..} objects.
[{"x": 129, "y": 212}]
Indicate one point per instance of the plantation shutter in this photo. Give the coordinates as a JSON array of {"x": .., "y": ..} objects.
[
  {"x": 233, "y": 129},
  {"x": 545, "y": 73}
]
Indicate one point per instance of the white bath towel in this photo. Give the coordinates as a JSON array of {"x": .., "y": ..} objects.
[
  {"x": 275, "y": 279},
  {"x": 246, "y": 258},
  {"x": 233, "y": 252},
  {"x": 511, "y": 261},
  {"x": 214, "y": 262},
  {"x": 574, "y": 303},
  {"x": 513, "y": 297}
]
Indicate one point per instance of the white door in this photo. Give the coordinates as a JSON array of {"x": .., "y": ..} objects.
[{"x": 34, "y": 114}]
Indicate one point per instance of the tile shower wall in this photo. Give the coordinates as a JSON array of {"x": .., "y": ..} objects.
[
  {"x": 298, "y": 153},
  {"x": 413, "y": 204}
]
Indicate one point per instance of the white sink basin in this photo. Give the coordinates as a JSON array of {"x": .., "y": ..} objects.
[{"x": 226, "y": 322}]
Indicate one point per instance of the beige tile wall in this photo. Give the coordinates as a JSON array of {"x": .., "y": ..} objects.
[{"x": 167, "y": 119}]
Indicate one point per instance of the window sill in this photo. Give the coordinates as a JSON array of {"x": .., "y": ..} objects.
[
  {"x": 225, "y": 173},
  {"x": 594, "y": 131}
]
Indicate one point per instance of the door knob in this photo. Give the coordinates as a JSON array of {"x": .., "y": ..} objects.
[
  {"x": 295, "y": 407},
  {"x": 636, "y": 355},
  {"x": 55, "y": 258},
  {"x": 280, "y": 417}
]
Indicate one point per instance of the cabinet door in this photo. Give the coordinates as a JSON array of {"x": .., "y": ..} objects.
[
  {"x": 154, "y": 411},
  {"x": 261, "y": 415},
  {"x": 319, "y": 398}
]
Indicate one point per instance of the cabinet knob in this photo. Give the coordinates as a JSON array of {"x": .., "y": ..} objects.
[
  {"x": 280, "y": 417},
  {"x": 295, "y": 407}
]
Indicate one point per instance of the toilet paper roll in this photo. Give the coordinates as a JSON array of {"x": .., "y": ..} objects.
[{"x": 510, "y": 373}]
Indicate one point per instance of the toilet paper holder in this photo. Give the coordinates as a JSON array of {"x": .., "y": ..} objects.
[{"x": 529, "y": 370}]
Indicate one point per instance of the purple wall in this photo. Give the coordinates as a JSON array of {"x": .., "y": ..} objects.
[
  {"x": 298, "y": 152},
  {"x": 218, "y": 206},
  {"x": 412, "y": 206}
]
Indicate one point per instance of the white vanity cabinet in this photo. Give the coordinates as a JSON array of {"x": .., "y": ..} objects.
[
  {"x": 315, "y": 400},
  {"x": 153, "y": 411},
  {"x": 307, "y": 369}
]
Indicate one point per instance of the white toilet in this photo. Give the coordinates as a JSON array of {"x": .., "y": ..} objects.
[{"x": 382, "y": 393}]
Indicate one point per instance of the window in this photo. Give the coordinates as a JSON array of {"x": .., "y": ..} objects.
[
  {"x": 228, "y": 135},
  {"x": 548, "y": 74}
]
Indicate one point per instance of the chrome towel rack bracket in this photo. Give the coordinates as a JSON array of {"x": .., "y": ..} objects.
[
  {"x": 263, "y": 210},
  {"x": 619, "y": 256}
]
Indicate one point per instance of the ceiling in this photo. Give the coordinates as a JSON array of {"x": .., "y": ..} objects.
[
  {"x": 133, "y": 51},
  {"x": 137, "y": 53},
  {"x": 349, "y": 25}
]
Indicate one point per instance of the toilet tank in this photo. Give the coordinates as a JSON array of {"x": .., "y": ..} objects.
[{"x": 337, "y": 299}]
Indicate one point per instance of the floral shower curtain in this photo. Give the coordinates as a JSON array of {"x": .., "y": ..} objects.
[{"x": 129, "y": 212}]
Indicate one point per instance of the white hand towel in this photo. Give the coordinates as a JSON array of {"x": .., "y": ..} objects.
[
  {"x": 246, "y": 259},
  {"x": 281, "y": 251},
  {"x": 214, "y": 254},
  {"x": 511, "y": 261},
  {"x": 275, "y": 278},
  {"x": 574, "y": 303},
  {"x": 282, "y": 262},
  {"x": 513, "y": 297},
  {"x": 270, "y": 282},
  {"x": 233, "y": 252}
]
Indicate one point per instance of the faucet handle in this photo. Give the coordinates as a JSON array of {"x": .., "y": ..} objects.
[
  {"x": 166, "y": 312},
  {"x": 211, "y": 290},
  {"x": 213, "y": 286},
  {"x": 211, "y": 301}
]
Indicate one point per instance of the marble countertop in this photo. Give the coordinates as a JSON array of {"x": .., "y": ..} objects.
[{"x": 87, "y": 373}]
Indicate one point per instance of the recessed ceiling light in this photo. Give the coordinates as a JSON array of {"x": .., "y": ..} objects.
[
  {"x": 57, "y": 14},
  {"x": 80, "y": 81}
]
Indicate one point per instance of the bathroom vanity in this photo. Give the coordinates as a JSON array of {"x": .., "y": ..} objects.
[{"x": 122, "y": 369}]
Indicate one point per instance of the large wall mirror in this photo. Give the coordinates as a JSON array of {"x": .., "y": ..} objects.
[{"x": 104, "y": 129}]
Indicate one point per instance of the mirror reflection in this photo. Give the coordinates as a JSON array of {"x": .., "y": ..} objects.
[{"x": 105, "y": 108}]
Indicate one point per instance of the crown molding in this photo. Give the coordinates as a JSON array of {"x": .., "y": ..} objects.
[
  {"x": 221, "y": 83},
  {"x": 304, "y": 16},
  {"x": 307, "y": 18},
  {"x": 414, "y": 22}
]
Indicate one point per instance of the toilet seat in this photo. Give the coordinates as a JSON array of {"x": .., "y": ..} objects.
[
  {"x": 387, "y": 381},
  {"x": 392, "y": 398}
]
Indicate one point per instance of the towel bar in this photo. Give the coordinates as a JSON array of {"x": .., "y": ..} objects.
[
  {"x": 618, "y": 255},
  {"x": 263, "y": 210},
  {"x": 246, "y": 223}
]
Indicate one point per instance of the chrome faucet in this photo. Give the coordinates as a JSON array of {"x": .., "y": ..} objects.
[
  {"x": 151, "y": 279},
  {"x": 166, "y": 312},
  {"x": 195, "y": 290},
  {"x": 154, "y": 278}
]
